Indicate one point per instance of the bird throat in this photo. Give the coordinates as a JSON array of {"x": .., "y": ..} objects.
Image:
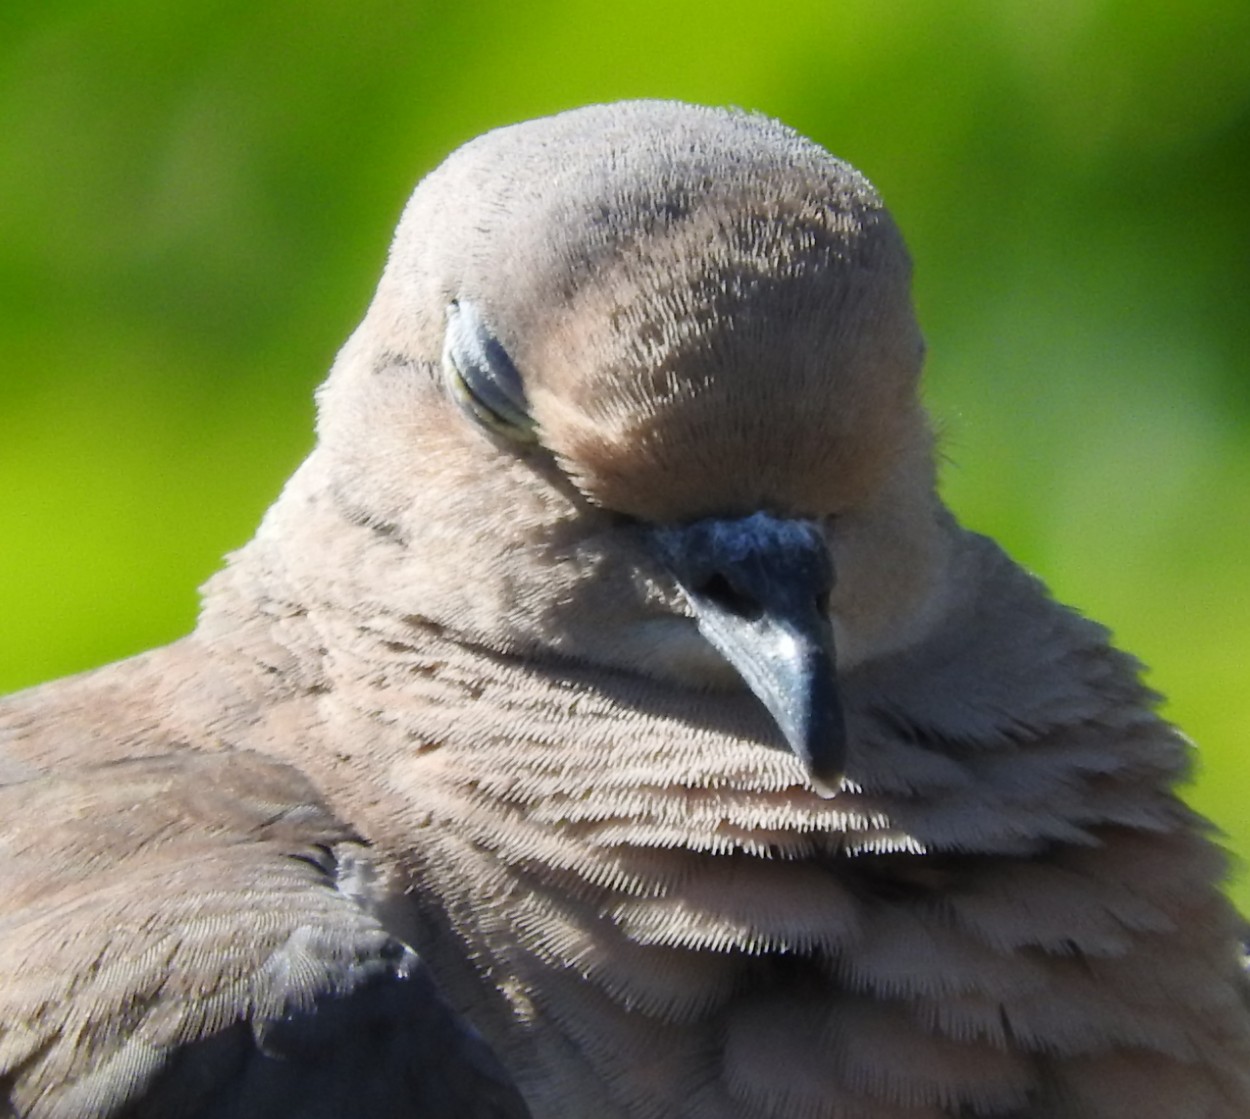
[{"x": 631, "y": 896}]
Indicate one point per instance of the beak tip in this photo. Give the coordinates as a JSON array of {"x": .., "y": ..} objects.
[
  {"x": 823, "y": 755},
  {"x": 825, "y": 785}
]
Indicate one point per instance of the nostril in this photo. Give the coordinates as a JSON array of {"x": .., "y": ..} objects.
[{"x": 718, "y": 590}]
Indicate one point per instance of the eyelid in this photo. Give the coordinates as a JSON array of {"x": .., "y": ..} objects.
[{"x": 481, "y": 375}]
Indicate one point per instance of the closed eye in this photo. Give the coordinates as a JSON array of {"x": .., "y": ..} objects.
[{"x": 481, "y": 376}]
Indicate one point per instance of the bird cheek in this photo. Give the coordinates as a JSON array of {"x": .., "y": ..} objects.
[{"x": 891, "y": 586}]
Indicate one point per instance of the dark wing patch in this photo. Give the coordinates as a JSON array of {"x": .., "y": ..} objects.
[{"x": 178, "y": 939}]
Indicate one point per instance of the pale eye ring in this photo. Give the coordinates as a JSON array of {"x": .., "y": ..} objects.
[{"x": 481, "y": 377}]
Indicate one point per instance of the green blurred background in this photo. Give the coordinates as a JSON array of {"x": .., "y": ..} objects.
[{"x": 195, "y": 202}]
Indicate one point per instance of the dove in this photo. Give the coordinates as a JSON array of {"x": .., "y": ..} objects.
[{"x": 610, "y": 720}]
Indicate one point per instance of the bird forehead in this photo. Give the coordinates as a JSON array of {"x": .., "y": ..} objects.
[
  {"x": 725, "y": 367},
  {"x": 702, "y": 449}
]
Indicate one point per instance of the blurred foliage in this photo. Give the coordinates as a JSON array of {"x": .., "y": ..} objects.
[{"x": 195, "y": 202}]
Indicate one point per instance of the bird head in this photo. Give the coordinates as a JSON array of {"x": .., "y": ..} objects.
[{"x": 639, "y": 387}]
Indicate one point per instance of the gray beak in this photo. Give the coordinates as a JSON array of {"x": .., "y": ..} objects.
[{"x": 760, "y": 586}]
